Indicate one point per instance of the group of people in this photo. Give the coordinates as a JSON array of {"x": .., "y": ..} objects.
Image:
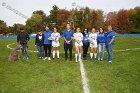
[{"x": 49, "y": 40}]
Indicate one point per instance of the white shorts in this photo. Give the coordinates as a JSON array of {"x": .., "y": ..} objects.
[
  {"x": 55, "y": 44},
  {"x": 93, "y": 45},
  {"x": 79, "y": 44}
]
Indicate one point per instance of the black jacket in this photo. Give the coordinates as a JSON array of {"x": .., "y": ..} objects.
[
  {"x": 39, "y": 42},
  {"x": 23, "y": 38}
]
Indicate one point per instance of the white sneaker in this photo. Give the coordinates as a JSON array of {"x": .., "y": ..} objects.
[
  {"x": 79, "y": 60},
  {"x": 49, "y": 58},
  {"x": 110, "y": 61},
  {"x": 101, "y": 59},
  {"x": 45, "y": 58}
]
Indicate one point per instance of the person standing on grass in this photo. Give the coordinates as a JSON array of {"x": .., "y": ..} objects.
[
  {"x": 23, "y": 39},
  {"x": 55, "y": 42},
  {"x": 39, "y": 40},
  {"x": 68, "y": 34},
  {"x": 78, "y": 37},
  {"x": 47, "y": 43},
  {"x": 93, "y": 44},
  {"x": 101, "y": 44},
  {"x": 109, "y": 41},
  {"x": 85, "y": 43}
]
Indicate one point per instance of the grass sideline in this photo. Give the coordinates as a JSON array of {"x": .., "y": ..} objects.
[{"x": 33, "y": 75}]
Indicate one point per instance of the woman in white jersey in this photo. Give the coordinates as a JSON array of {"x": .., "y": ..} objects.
[
  {"x": 78, "y": 37},
  {"x": 55, "y": 36},
  {"x": 93, "y": 44}
]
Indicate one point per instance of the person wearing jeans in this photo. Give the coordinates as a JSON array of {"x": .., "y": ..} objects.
[
  {"x": 39, "y": 40},
  {"x": 23, "y": 39},
  {"x": 101, "y": 44},
  {"x": 109, "y": 41},
  {"x": 68, "y": 33}
]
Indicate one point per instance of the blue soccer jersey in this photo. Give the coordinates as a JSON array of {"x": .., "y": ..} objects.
[
  {"x": 68, "y": 35},
  {"x": 101, "y": 38},
  {"x": 47, "y": 34},
  {"x": 109, "y": 36}
]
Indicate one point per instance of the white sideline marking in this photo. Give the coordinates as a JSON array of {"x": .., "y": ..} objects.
[
  {"x": 84, "y": 79},
  {"x": 8, "y": 46},
  {"x": 82, "y": 69}
]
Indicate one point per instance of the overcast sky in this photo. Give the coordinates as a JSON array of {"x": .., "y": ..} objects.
[{"x": 26, "y": 7}]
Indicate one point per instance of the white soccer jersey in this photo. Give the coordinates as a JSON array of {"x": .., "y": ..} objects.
[
  {"x": 55, "y": 36},
  {"x": 78, "y": 38},
  {"x": 55, "y": 39},
  {"x": 93, "y": 39}
]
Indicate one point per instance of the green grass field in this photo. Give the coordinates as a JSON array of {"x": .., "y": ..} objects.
[{"x": 58, "y": 76}]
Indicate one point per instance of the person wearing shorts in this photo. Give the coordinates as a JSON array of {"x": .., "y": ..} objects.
[
  {"x": 55, "y": 42},
  {"x": 78, "y": 37},
  {"x": 93, "y": 44}
]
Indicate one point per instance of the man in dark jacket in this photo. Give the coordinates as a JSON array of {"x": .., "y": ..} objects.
[{"x": 22, "y": 39}]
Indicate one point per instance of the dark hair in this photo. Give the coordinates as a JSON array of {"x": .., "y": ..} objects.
[
  {"x": 39, "y": 30},
  {"x": 84, "y": 32},
  {"x": 102, "y": 29}
]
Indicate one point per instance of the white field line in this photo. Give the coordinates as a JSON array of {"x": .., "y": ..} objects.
[
  {"x": 82, "y": 69},
  {"x": 84, "y": 79},
  {"x": 8, "y": 46}
]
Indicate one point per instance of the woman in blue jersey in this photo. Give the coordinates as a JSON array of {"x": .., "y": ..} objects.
[
  {"x": 101, "y": 44},
  {"x": 85, "y": 43}
]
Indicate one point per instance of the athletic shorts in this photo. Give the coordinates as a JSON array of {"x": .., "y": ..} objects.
[
  {"x": 93, "y": 45},
  {"x": 79, "y": 44},
  {"x": 55, "y": 44}
]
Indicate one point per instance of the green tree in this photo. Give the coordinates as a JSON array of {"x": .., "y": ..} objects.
[
  {"x": 15, "y": 28},
  {"x": 134, "y": 18},
  {"x": 34, "y": 23}
]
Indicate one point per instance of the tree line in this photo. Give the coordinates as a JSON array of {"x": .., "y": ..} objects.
[{"x": 122, "y": 21}]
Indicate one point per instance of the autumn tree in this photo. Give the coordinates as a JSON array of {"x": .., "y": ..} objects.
[{"x": 3, "y": 27}]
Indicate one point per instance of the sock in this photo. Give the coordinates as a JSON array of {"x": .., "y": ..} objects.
[
  {"x": 95, "y": 55},
  {"x": 53, "y": 54},
  {"x": 76, "y": 55},
  {"x": 57, "y": 53},
  {"x": 91, "y": 55},
  {"x": 79, "y": 56}
]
